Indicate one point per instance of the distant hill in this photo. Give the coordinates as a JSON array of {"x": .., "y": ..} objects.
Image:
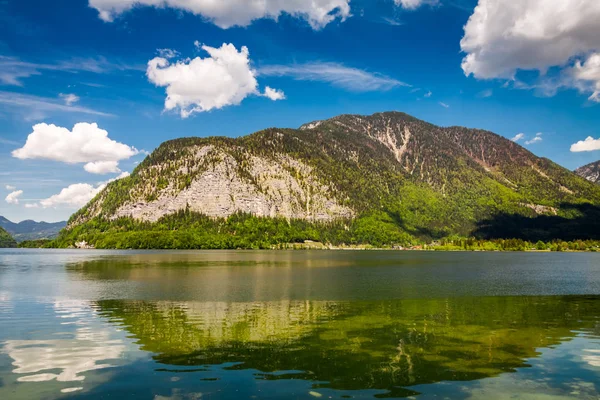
[
  {"x": 591, "y": 172},
  {"x": 31, "y": 230},
  {"x": 6, "y": 240},
  {"x": 378, "y": 179}
]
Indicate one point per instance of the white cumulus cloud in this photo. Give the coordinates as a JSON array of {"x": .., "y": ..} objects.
[
  {"x": 589, "y": 144},
  {"x": 228, "y": 13},
  {"x": 586, "y": 76},
  {"x": 69, "y": 98},
  {"x": 76, "y": 195},
  {"x": 274, "y": 94},
  {"x": 338, "y": 75},
  {"x": 13, "y": 197},
  {"x": 518, "y": 136},
  {"x": 222, "y": 79},
  {"x": 102, "y": 167},
  {"x": 10, "y": 187},
  {"x": 503, "y": 37},
  {"x": 85, "y": 143},
  {"x": 73, "y": 196}
]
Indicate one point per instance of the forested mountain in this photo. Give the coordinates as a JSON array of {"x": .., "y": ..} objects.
[
  {"x": 379, "y": 179},
  {"x": 6, "y": 240},
  {"x": 591, "y": 172},
  {"x": 32, "y": 230}
]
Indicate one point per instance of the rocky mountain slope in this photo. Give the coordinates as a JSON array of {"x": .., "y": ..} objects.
[
  {"x": 32, "y": 230},
  {"x": 6, "y": 241},
  {"x": 591, "y": 172},
  {"x": 424, "y": 179}
]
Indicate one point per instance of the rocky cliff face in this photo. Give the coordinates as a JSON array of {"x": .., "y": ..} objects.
[
  {"x": 591, "y": 172},
  {"x": 419, "y": 173},
  {"x": 277, "y": 187}
]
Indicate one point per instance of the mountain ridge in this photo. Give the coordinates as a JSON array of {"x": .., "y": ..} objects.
[
  {"x": 403, "y": 173},
  {"x": 591, "y": 172},
  {"x": 32, "y": 230}
]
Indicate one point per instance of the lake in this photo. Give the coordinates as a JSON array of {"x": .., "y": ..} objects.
[{"x": 298, "y": 325}]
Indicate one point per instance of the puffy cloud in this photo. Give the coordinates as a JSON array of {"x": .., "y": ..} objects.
[
  {"x": 444, "y": 105},
  {"x": 73, "y": 196},
  {"x": 13, "y": 197},
  {"x": 505, "y": 36},
  {"x": 228, "y": 13},
  {"x": 76, "y": 195},
  {"x": 587, "y": 76},
  {"x": 274, "y": 94},
  {"x": 69, "y": 98},
  {"x": 589, "y": 144},
  {"x": 413, "y": 4},
  {"x": 102, "y": 167},
  {"x": 337, "y": 75},
  {"x": 203, "y": 84},
  {"x": 86, "y": 143},
  {"x": 536, "y": 139},
  {"x": 10, "y": 187},
  {"x": 518, "y": 136}
]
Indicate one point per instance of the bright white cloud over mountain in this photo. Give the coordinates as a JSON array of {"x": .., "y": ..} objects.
[
  {"x": 518, "y": 136},
  {"x": 536, "y": 139},
  {"x": 228, "y": 13},
  {"x": 73, "y": 196},
  {"x": 589, "y": 144},
  {"x": 76, "y": 195},
  {"x": 85, "y": 143},
  {"x": 102, "y": 167},
  {"x": 223, "y": 79},
  {"x": 505, "y": 36}
]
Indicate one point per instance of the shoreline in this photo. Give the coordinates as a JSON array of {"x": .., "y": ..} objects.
[{"x": 429, "y": 250}]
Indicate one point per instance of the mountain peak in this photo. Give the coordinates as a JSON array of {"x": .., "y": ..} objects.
[{"x": 591, "y": 172}]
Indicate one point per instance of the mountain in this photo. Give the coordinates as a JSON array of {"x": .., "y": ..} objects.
[
  {"x": 6, "y": 240},
  {"x": 591, "y": 172},
  {"x": 31, "y": 230},
  {"x": 388, "y": 177}
]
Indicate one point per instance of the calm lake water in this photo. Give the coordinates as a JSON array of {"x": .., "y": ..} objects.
[{"x": 298, "y": 325}]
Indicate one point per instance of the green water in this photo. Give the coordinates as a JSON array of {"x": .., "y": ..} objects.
[{"x": 298, "y": 325}]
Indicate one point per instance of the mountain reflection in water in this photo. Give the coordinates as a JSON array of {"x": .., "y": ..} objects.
[
  {"x": 298, "y": 325},
  {"x": 384, "y": 345}
]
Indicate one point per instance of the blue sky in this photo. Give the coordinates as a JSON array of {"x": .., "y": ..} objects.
[{"x": 62, "y": 64}]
